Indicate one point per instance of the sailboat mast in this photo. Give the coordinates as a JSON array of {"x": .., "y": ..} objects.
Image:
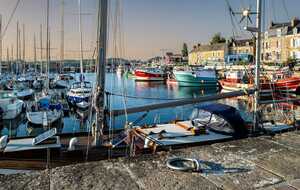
[
  {"x": 8, "y": 58},
  {"x": 12, "y": 58},
  {"x": 100, "y": 73},
  {"x": 34, "y": 53},
  {"x": 47, "y": 48},
  {"x": 62, "y": 36},
  {"x": 257, "y": 63},
  {"x": 23, "y": 55},
  {"x": 41, "y": 49},
  {"x": 0, "y": 44},
  {"x": 17, "y": 60},
  {"x": 80, "y": 33}
]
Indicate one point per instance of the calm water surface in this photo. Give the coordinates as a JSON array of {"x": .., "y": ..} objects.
[{"x": 150, "y": 93}]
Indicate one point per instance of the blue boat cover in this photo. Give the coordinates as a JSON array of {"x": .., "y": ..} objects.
[{"x": 230, "y": 114}]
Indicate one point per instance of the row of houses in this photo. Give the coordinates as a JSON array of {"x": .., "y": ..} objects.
[{"x": 280, "y": 43}]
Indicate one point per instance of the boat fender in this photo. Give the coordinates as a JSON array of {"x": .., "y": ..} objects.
[
  {"x": 3, "y": 141},
  {"x": 73, "y": 142}
]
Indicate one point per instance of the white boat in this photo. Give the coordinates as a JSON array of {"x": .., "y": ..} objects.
[
  {"x": 120, "y": 69},
  {"x": 44, "y": 118},
  {"x": 80, "y": 92},
  {"x": 209, "y": 123},
  {"x": 25, "y": 94},
  {"x": 64, "y": 81},
  {"x": 83, "y": 105},
  {"x": 10, "y": 105}
]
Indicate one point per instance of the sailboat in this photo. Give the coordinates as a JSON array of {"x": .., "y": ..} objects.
[
  {"x": 43, "y": 115},
  {"x": 80, "y": 92}
]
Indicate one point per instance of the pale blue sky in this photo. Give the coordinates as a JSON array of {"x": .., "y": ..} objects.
[{"x": 149, "y": 25}]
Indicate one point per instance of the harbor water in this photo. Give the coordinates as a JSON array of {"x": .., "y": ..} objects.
[{"x": 126, "y": 93}]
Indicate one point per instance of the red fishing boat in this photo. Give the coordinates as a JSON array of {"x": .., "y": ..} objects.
[
  {"x": 149, "y": 74},
  {"x": 289, "y": 84},
  {"x": 239, "y": 80}
]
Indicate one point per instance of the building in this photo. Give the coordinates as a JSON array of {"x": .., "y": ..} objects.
[
  {"x": 281, "y": 42},
  {"x": 208, "y": 53},
  {"x": 171, "y": 58}
]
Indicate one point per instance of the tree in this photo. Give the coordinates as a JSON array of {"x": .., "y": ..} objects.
[
  {"x": 217, "y": 38},
  {"x": 184, "y": 50}
]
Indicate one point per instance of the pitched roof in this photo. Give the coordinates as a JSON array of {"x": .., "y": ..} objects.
[{"x": 210, "y": 47}]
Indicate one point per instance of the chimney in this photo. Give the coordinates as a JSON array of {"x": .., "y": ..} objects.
[{"x": 294, "y": 22}]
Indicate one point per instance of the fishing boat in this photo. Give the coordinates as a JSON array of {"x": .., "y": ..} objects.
[
  {"x": 240, "y": 80},
  {"x": 289, "y": 84},
  {"x": 199, "y": 78},
  {"x": 149, "y": 74},
  {"x": 10, "y": 106},
  {"x": 64, "y": 81}
]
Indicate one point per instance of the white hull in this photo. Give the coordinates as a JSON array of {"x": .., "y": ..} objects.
[
  {"x": 148, "y": 78},
  {"x": 43, "y": 118},
  {"x": 11, "y": 111}
]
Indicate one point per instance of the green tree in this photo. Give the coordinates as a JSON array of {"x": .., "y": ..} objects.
[
  {"x": 184, "y": 50},
  {"x": 217, "y": 38}
]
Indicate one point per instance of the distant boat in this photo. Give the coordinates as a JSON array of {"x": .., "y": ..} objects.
[
  {"x": 44, "y": 118},
  {"x": 11, "y": 106},
  {"x": 197, "y": 78},
  {"x": 149, "y": 74},
  {"x": 64, "y": 81},
  {"x": 25, "y": 94},
  {"x": 80, "y": 92},
  {"x": 120, "y": 69},
  {"x": 240, "y": 80}
]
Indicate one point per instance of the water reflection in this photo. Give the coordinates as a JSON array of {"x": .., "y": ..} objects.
[{"x": 149, "y": 93}]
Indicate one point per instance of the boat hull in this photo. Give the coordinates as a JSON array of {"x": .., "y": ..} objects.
[
  {"x": 189, "y": 79},
  {"x": 290, "y": 84},
  {"x": 141, "y": 75}
]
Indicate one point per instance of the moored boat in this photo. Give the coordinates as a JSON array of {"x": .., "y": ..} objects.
[
  {"x": 44, "y": 118},
  {"x": 11, "y": 106},
  {"x": 79, "y": 92},
  {"x": 149, "y": 74},
  {"x": 199, "y": 78}
]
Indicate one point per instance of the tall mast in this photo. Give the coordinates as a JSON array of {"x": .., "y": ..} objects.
[
  {"x": 12, "y": 58},
  {"x": 17, "y": 56},
  {"x": 8, "y": 58},
  {"x": 47, "y": 49},
  {"x": 80, "y": 33},
  {"x": 257, "y": 62},
  {"x": 41, "y": 49},
  {"x": 62, "y": 40},
  {"x": 100, "y": 76},
  {"x": 23, "y": 55},
  {"x": 34, "y": 53},
  {"x": 0, "y": 44}
]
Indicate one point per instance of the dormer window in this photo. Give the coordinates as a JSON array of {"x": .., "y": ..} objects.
[{"x": 295, "y": 31}]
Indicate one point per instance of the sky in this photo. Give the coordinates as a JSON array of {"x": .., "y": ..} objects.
[{"x": 148, "y": 27}]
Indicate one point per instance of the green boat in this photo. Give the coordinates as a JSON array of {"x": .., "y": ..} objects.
[{"x": 201, "y": 78}]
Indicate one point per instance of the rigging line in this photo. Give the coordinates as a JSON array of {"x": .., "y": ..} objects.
[
  {"x": 11, "y": 17},
  {"x": 145, "y": 98},
  {"x": 285, "y": 9}
]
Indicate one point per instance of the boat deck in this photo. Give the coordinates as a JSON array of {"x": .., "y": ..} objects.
[{"x": 256, "y": 163}]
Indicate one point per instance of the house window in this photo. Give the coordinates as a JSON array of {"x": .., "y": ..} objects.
[
  {"x": 277, "y": 55},
  {"x": 277, "y": 44},
  {"x": 278, "y": 32}
]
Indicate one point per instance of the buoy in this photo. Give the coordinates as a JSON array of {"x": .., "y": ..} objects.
[
  {"x": 3, "y": 141},
  {"x": 73, "y": 142}
]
